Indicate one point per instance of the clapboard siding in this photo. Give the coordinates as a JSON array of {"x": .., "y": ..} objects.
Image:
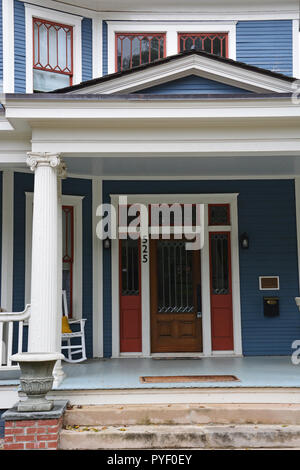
[
  {"x": 104, "y": 48},
  {"x": 266, "y": 211},
  {"x": 71, "y": 186},
  {"x": 20, "y": 47},
  {"x": 193, "y": 85},
  {"x": 87, "y": 49},
  {"x": 267, "y": 44}
]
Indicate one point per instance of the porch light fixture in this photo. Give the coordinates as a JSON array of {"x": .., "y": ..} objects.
[
  {"x": 244, "y": 241},
  {"x": 106, "y": 244}
]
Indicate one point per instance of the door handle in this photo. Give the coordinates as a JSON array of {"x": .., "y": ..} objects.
[{"x": 199, "y": 301}]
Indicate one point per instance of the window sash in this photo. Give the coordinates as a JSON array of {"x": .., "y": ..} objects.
[
  {"x": 53, "y": 47},
  {"x": 206, "y": 42},
  {"x": 134, "y": 49}
]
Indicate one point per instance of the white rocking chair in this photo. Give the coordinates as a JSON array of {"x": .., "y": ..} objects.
[{"x": 66, "y": 338}]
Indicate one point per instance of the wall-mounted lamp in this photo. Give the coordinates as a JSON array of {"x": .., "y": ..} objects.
[
  {"x": 244, "y": 241},
  {"x": 106, "y": 244}
]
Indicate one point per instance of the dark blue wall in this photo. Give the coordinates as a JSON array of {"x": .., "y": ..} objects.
[
  {"x": 71, "y": 186},
  {"x": 266, "y": 210},
  {"x": 193, "y": 84},
  {"x": 267, "y": 44},
  {"x": 1, "y": 49}
]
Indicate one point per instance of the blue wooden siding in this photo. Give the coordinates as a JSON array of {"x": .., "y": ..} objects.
[
  {"x": 20, "y": 47},
  {"x": 193, "y": 85},
  {"x": 87, "y": 49},
  {"x": 267, "y": 44},
  {"x": 71, "y": 186},
  {"x": 104, "y": 48},
  {"x": 264, "y": 43},
  {"x": 266, "y": 212}
]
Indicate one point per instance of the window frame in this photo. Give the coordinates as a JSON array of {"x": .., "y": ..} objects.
[
  {"x": 180, "y": 33},
  {"x": 171, "y": 30},
  {"x": 137, "y": 33},
  {"x": 55, "y": 17},
  {"x": 45, "y": 69}
]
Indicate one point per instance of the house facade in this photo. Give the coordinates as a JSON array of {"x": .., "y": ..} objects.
[{"x": 195, "y": 106}]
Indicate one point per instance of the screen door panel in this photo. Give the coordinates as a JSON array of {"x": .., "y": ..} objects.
[{"x": 176, "y": 324}]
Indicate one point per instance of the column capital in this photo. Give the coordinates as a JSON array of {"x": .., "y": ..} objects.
[{"x": 54, "y": 160}]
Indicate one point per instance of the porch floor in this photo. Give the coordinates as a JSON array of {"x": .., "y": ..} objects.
[{"x": 125, "y": 373}]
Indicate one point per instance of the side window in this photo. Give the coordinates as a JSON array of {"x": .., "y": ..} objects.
[
  {"x": 52, "y": 55},
  {"x": 133, "y": 49},
  {"x": 68, "y": 254},
  {"x": 214, "y": 43}
]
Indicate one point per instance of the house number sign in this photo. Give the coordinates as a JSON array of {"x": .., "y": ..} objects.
[{"x": 145, "y": 250}]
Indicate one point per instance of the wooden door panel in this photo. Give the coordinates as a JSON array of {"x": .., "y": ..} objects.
[{"x": 175, "y": 277}]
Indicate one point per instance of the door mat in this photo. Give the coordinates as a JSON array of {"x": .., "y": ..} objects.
[{"x": 188, "y": 378}]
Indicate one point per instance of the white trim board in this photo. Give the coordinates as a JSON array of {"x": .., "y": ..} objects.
[
  {"x": 8, "y": 46},
  {"x": 192, "y": 64},
  {"x": 145, "y": 273},
  {"x": 171, "y": 30},
  {"x": 56, "y": 16},
  {"x": 76, "y": 202},
  {"x": 97, "y": 275},
  {"x": 243, "y": 11}
]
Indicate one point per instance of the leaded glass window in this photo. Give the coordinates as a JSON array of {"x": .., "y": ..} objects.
[
  {"x": 214, "y": 43},
  {"x": 220, "y": 263},
  {"x": 130, "y": 267},
  {"x": 133, "y": 49}
]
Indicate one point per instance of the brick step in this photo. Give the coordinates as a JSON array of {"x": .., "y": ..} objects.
[
  {"x": 181, "y": 437},
  {"x": 183, "y": 414}
]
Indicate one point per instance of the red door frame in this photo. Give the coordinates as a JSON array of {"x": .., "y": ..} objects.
[
  {"x": 221, "y": 307},
  {"x": 130, "y": 308}
]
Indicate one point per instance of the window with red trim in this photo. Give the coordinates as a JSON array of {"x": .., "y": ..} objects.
[
  {"x": 214, "y": 43},
  {"x": 133, "y": 49},
  {"x": 52, "y": 55},
  {"x": 68, "y": 254}
]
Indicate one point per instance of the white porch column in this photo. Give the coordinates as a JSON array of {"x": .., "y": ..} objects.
[
  {"x": 45, "y": 323},
  {"x": 58, "y": 372}
]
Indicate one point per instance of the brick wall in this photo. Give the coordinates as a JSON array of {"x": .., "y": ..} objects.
[{"x": 35, "y": 434}]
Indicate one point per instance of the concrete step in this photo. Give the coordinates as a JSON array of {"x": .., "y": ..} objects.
[
  {"x": 181, "y": 437},
  {"x": 182, "y": 414}
]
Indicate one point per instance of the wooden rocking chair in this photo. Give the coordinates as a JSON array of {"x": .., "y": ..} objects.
[{"x": 72, "y": 333}]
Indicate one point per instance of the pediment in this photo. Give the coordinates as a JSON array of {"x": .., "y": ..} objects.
[{"x": 213, "y": 73}]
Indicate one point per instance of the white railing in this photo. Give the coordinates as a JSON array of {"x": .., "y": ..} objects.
[{"x": 11, "y": 323}]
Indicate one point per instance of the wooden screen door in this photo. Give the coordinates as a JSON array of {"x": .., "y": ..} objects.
[{"x": 176, "y": 324}]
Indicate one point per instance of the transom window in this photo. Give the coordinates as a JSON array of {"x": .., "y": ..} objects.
[
  {"x": 52, "y": 55},
  {"x": 214, "y": 43},
  {"x": 133, "y": 49}
]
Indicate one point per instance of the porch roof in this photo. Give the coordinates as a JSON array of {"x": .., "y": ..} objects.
[{"x": 174, "y": 58}]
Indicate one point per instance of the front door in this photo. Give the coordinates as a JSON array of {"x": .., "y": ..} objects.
[{"x": 176, "y": 323}]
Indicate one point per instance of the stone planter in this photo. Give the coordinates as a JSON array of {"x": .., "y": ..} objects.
[{"x": 36, "y": 379}]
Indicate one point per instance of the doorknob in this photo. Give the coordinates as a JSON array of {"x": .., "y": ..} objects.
[{"x": 199, "y": 302}]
